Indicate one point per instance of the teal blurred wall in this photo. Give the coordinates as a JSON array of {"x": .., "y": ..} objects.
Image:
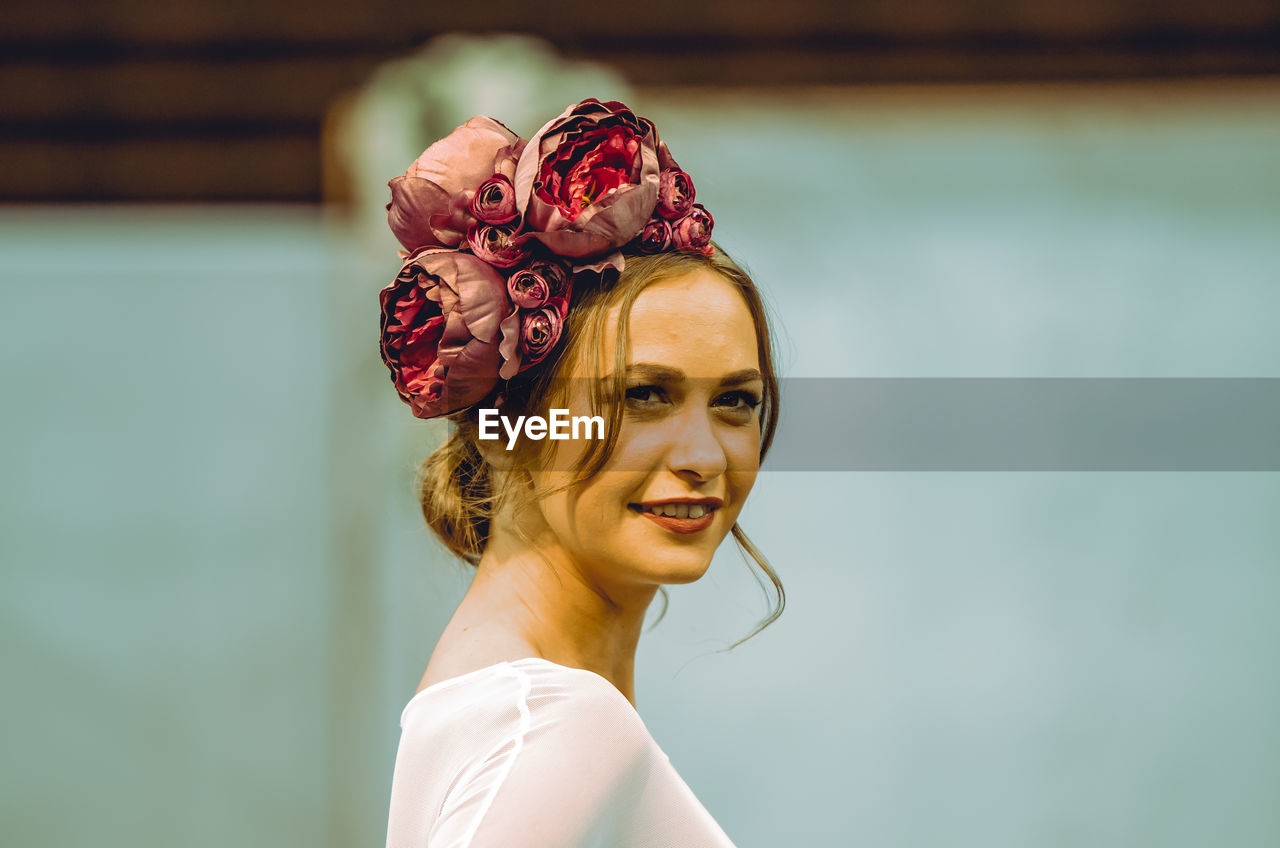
[{"x": 217, "y": 594}]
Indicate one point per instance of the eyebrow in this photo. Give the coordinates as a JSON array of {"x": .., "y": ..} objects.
[
  {"x": 667, "y": 374},
  {"x": 746, "y": 375}
]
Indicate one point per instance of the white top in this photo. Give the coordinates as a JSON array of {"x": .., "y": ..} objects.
[{"x": 531, "y": 754}]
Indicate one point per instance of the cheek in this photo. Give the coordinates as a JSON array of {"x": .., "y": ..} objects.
[
  {"x": 743, "y": 465},
  {"x": 740, "y": 483},
  {"x": 641, "y": 444},
  {"x": 555, "y": 495},
  {"x": 742, "y": 450},
  {"x": 589, "y": 512}
]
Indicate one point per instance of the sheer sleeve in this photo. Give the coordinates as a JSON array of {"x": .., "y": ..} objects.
[
  {"x": 568, "y": 775},
  {"x": 530, "y": 754}
]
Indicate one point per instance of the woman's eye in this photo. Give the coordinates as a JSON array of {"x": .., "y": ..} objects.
[
  {"x": 737, "y": 400},
  {"x": 645, "y": 395}
]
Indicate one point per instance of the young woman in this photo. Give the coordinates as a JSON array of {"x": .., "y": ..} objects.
[{"x": 570, "y": 273}]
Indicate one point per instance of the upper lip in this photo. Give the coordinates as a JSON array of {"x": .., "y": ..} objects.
[{"x": 709, "y": 503}]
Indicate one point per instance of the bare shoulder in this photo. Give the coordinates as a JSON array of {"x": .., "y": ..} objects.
[{"x": 462, "y": 651}]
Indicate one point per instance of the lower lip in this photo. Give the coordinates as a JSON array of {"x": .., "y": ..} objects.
[{"x": 680, "y": 525}]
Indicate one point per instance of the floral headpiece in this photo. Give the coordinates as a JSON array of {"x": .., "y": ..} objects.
[{"x": 497, "y": 230}]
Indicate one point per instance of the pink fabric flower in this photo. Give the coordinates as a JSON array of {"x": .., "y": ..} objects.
[
  {"x": 495, "y": 201},
  {"x": 431, "y": 204},
  {"x": 588, "y": 180},
  {"x": 693, "y": 231},
  {"x": 656, "y": 236},
  {"x": 538, "y": 282},
  {"x": 441, "y": 328},
  {"x": 675, "y": 193},
  {"x": 496, "y": 244}
]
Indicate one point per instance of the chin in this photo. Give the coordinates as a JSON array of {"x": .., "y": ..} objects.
[{"x": 676, "y": 573}]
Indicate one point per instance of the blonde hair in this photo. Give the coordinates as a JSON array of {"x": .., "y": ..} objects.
[{"x": 456, "y": 485}]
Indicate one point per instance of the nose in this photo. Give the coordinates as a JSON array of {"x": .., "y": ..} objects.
[{"x": 695, "y": 452}]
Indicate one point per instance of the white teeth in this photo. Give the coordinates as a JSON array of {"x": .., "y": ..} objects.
[{"x": 680, "y": 510}]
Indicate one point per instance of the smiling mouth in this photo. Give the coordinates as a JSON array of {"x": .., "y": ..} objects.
[{"x": 690, "y": 516}]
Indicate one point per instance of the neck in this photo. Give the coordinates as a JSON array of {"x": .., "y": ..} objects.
[{"x": 534, "y": 600}]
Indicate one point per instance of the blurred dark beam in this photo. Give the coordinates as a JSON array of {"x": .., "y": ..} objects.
[
  {"x": 158, "y": 91},
  {"x": 265, "y": 167},
  {"x": 587, "y": 22},
  {"x": 142, "y": 88}
]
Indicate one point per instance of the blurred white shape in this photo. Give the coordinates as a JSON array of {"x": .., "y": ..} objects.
[{"x": 412, "y": 102}]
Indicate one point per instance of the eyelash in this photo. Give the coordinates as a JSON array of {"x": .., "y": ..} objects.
[{"x": 748, "y": 399}]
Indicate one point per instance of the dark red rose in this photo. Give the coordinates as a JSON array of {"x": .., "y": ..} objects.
[
  {"x": 675, "y": 193},
  {"x": 693, "y": 231},
  {"x": 495, "y": 244},
  {"x": 441, "y": 320},
  {"x": 495, "y": 201},
  {"x": 655, "y": 237},
  {"x": 536, "y": 283},
  {"x": 528, "y": 335},
  {"x": 431, "y": 204},
  {"x": 588, "y": 180},
  {"x": 539, "y": 331}
]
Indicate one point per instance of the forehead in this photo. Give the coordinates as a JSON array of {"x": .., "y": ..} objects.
[{"x": 698, "y": 322}]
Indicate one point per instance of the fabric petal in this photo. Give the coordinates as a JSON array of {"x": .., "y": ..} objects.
[
  {"x": 614, "y": 260},
  {"x": 472, "y": 375},
  {"x": 464, "y": 158},
  {"x": 414, "y": 202},
  {"x": 572, "y": 244},
  {"x": 527, "y": 166},
  {"x": 482, "y": 296},
  {"x": 509, "y": 346}
]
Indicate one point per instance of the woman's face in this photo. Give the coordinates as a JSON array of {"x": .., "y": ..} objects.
[{"x": 688, "y": 451}]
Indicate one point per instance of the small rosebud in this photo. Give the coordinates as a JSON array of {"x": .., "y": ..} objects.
[
  {"x": 495, "y": 201},
  {"x": 693, "y": 231},
  {"x": 494, "y": 244},
  {"x": 675, "y": 194},
  {"x": 656, "y": 236}
]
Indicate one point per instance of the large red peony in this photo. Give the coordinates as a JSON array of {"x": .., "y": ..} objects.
[
  {"x": 588, "y": 181},
  {"x": 441, "y": 329}
]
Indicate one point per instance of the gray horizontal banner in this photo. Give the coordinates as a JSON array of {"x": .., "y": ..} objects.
[{"x": 1028, "y": 424}]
